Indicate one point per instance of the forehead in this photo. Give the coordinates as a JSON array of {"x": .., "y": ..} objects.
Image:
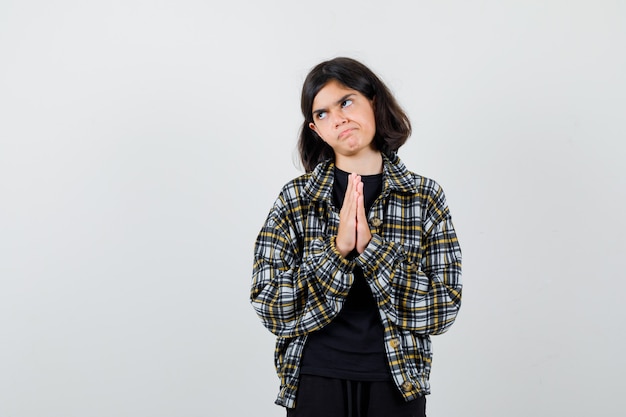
[{"x": 331, "y": 93}]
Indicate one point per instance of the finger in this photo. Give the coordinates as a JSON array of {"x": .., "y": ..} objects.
[
  {"x": 361, "y": 215},
  {"x": 346, "y": 233},
  {"x": 355, "y": 182},
  {"x": 356, "y": 179},
  {"x": 351, "y": 190},
  {"x": 349, "y": 205},
  {"x": 364, "y": 234},
  {"x": 360, "y": 201}
]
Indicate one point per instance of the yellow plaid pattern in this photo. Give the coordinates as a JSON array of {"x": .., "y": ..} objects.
[{"x": 412, "y": 266}]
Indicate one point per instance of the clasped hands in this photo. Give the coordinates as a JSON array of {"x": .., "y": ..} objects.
[{"x": 354, "y": 231}]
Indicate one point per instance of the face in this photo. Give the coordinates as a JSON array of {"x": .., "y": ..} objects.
[{"x": 344, "y": 119}]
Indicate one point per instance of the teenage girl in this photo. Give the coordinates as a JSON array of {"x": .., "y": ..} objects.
[{"x": 358, "y": 262}]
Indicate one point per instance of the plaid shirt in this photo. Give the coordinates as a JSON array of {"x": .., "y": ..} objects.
[{"x": 412, "y": 266}]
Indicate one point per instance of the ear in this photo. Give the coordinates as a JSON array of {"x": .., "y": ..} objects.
[{"x": 314, "y": 129}]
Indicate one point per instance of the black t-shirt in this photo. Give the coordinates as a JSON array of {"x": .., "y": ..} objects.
[{"x": 351, "y": 346}]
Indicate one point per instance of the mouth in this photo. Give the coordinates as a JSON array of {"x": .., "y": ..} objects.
[{"x": 345, "y": 133}]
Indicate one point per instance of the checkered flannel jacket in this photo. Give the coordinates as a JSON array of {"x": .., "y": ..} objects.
[{"x": 412, "y": 266}]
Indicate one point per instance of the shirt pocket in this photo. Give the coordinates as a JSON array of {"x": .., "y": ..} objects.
[{"x": 411, "y": 281}]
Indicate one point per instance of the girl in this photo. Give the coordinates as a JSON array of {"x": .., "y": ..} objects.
[{"x": 358, "y": 262}]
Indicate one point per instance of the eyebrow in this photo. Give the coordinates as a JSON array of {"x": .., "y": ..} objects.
[{"x": 341, "y": 100}]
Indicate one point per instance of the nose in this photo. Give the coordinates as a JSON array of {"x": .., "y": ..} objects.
[{"x": 338, "y": 118}]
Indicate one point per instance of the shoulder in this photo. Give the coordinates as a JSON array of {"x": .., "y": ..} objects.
[
  {"x": 418, "y": 190},
  {"x": 291, "y": 201},
  {"x": 404, "y": 181},
  {"x": 294, "y": 189},
  {"x": 434, "y": 204},
  {"x": 296, "y": 195},
  {"x": 426, "y": 186}
]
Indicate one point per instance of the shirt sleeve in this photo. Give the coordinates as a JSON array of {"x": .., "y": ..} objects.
[
  {"x": 418, "y": 288},
  {"x": 299, "y": 284}
]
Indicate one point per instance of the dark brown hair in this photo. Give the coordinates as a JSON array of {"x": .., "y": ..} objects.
[{"x": 392, "y": 124}]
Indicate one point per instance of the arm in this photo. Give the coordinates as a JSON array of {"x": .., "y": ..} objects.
[
  {"x": 297, "y": 286},
  {"x": 419, "y": 288}
]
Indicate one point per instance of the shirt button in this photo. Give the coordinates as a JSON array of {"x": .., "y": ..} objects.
[
  {"x": 395, "y": 343},
  {"x": 376, "y": 222},
  {"x": 407, "y": 386}
]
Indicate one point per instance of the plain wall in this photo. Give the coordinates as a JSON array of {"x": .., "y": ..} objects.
[{"x": 142, "y": 144}]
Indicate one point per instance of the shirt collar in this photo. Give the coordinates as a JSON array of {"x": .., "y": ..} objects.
[{"x": 395, "y": 178}]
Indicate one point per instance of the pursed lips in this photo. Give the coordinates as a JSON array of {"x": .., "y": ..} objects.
[{"x": 344, "y": 133}]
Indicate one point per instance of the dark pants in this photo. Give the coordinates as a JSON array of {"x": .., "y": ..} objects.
[{"x": 327, "y": 397}]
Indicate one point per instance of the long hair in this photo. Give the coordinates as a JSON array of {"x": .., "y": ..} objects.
[{"x": 393, "y": 127}]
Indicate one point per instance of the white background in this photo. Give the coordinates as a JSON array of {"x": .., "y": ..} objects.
[{"x": 143, "y": 143}]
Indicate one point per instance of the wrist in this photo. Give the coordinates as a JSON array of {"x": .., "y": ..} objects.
[{"x": 343, "y": 250}]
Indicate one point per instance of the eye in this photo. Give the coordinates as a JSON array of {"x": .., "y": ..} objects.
[
  {"x": 321, "y": 115},
  {"x": 346, "y": 103}
]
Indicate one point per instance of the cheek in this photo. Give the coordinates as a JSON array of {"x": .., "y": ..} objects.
[
  {"x": 372, "y": 120},
  {"x": 319, "y": 132},
  {"x": 369, "y": 116}
]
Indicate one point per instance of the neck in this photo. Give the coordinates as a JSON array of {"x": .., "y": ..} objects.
[{"x": 370, "y": 164}]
